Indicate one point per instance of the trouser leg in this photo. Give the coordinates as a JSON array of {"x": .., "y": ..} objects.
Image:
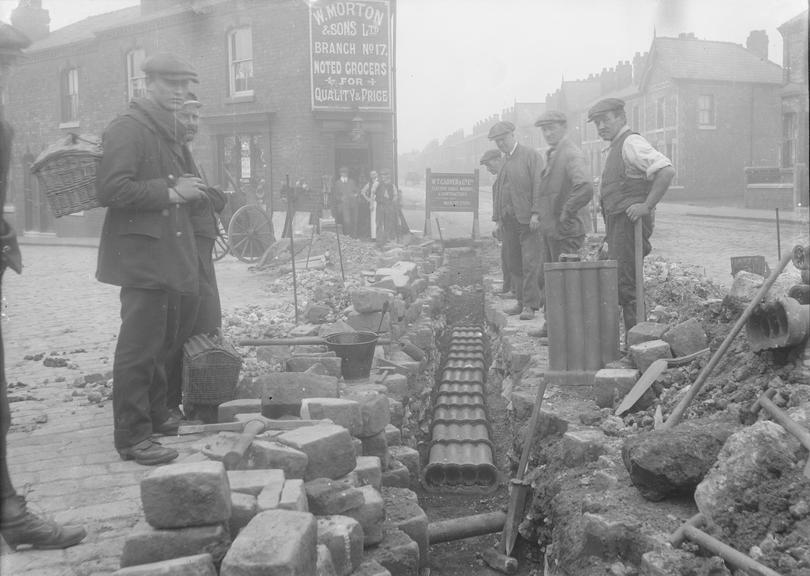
[
  {"x": 570, "y": 245},
  {"x": 139, "y": 372},
  {"x": 507, "y": 274},
  {"x": 514, "y": 258},
  {"x": 181, "y": 321},
  {"x": 621, "y": 247},
  {"x": 7, "y": 491},
  {"x": 531, "y": 248}
]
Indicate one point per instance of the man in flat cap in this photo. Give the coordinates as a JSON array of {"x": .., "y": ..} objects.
[
  {"x": 565, "y": 189},
  {"x": 18, "y": 526},
  {"x": 493, "y": 161},
  {"x": 519, "y": 217},
  {"x": 634, "y": 179},
  {"x": 147, "y": 247}
]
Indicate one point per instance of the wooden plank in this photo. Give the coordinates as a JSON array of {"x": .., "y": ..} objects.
[{"x": 643, "y": 384}]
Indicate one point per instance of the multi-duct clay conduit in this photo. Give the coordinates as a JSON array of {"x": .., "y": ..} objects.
[{"x": 461, "y": 456}]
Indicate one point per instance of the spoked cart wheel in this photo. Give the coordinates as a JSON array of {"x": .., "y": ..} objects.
[
  {"x": 250, "y": 233},
  {"x": 221, "y": 247}
]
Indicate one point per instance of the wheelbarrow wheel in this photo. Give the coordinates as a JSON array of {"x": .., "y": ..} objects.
[{"x": 250, "y": 233}]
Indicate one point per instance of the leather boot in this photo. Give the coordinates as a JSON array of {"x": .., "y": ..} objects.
[{"x": 22, "y": 528}]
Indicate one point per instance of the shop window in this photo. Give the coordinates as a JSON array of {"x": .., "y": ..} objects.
[
  {"x": 240, "y": 58},
  {"x": 706, "y": 111},
  {"x": 70, "y": 95},
  {"x": 789, "y": 130},
  {"x": 136, "y": 79}
]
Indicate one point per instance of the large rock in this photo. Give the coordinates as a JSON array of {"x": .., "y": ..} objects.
[
  {"x": 370, "y": 515},
  {"x": 671, "y": 463},
  {"x": 183, "y": 495},
  {"x": 326, "y": 497},
  {"x": 342, "y": 411},
  {"x": 403, "y": 511},
  {"x": 329, "y": 449},
  {"x": 365, "y": 299},
  {"x": 686, "y": 338},
  {"x": 199, "y": 565},
  {"x": 375, "y": 410},
  {"x": 148, "y": 545},
  {"x": 344, "y": 538},
  {"x": 294, "y": 538},
  {"x": 282, "y": 392},
  {"x": 397, "y": 552},
  {"x": 271, "y": 454}
]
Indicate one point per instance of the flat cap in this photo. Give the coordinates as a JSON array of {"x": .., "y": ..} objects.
[
  {"x": 606, "y": 105},
  {"x": 169, "y": 66},
  {"x": 490, "y": 155},
  {"x": 192, "y": 101},
  {"x": 551, "y": 117},
  {"x": 500, "y": 128},
  {"x": 12, "y": 40}
]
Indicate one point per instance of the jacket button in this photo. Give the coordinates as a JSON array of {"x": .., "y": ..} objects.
[{"x": 178, "y": 234}]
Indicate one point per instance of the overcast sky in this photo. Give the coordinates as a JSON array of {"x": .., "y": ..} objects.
[{"x": 460, "y": 61}]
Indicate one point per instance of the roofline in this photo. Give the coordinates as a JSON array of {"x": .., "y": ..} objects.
[{"x": 793, "y": 21}]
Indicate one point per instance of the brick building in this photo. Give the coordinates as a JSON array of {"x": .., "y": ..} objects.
[{"x": 286, "y": 92}]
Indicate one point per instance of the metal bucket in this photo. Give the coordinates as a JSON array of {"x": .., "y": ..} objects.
[{"x": 356, "y": 350}]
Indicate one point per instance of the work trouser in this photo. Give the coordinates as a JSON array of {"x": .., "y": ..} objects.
[
  {"x": 150, "y": 325},
  {"x": 6, "y": 487},
  {"x": 349, "y": 216},
  {"x": 524, "y": 249},
  {"x": 621, "y": 247},
  {"x": 553, "y": 247},
  {"x": 507, "y": 274}
]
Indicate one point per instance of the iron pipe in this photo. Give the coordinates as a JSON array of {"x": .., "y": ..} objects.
[
  {"x": 296, "y": 341},
  {"x": 726, "y": 552},
  {"x": 466, "y": 527}
]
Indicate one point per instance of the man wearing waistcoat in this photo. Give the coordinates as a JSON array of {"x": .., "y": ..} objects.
[
  {"x": 634, "y": 179},
  {"x": 519, "y": 217},
  {"x": 493, "y": 161}
]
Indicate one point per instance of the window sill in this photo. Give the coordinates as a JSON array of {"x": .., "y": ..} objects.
[
  {"x": 706, "y": 127},
  {"x": 240, "y": 98},
  {"x": 74, "y": 124}
]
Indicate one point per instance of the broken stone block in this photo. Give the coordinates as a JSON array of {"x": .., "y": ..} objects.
[
  {"x": 671, "y": 463},
  {"x": 358, "y": 447},
  {"x": 396, "y": 386},
  {"x": 613, "y": 384},
  {"x": 329, "y": 449},
  {"x": 148, "y": 545},
  {"x": 325, "y": 566},
  {"x": 397, "y": 412},
  {"x": 370, "y": 515},
  {"x": 393, "y": 435},
  {"x": 403, "y": 511},
  {"x": 648, "y": 352},
  {"x": 583, "y": 446},
  {"x": 272, "y": 454},
  {"x": 686, "y": 338},
  {"x": 367, "y": 472},
  {"x": 303, "y": 330},
  {"x": 374, "y": 409},
  {"x": 293, "y": 553},
  {"x": 369, "y": 321},
  {"x": 371, "y": 568},
  {"x": 285, "y": 390},
  {"x": 376, "y": 446},
  {"x": 316, "y": 313},
  {"x": 365, "y": 299},
  {"x": 252, "y": 481},
  {"x": 326, "y": 496},
  {"x": 227, "y": 411},
  {"x": 331, "y": 364},
  {"x": 334, "y": 328},
  {"x": 243, "y": 509},
  {"x": 743, "y": 289},
  {"x": 409, "y": 458},
  {"x": 397, "y": 475},
  {"x": 216, "y": 447},
  {"x": 341, "y": 411},
  {"x": 343, "y": 536},
  {"x": 645, "y": 331},
  {"x": 270, "y": 495},
  {"x": 183, "y": 495},
  {"x": 397, "y": 552},
  {"x": 293, "y": 496},
  {"x": 198, "y": 565},
  {"x": 665, "y": 562}
]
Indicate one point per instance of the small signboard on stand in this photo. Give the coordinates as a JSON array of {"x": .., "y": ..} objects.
[{"x": 451, "y": 192}]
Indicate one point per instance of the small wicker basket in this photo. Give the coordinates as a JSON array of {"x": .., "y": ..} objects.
[
  {"x": 210, "y": 371},
  {"x": 66, "y": 172}
]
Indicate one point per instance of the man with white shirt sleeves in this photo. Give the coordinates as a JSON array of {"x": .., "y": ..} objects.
[{"x": 634, "y": 179}]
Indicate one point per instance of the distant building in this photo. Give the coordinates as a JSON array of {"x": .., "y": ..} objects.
[{"x": 278, "y": 98}]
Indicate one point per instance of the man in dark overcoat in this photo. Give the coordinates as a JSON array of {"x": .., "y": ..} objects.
[
  {"x": 492, "y": 160},
  {"x": 147, "y": 247}
]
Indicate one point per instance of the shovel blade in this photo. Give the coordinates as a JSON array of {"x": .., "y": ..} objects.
[{"x": 514, "y": 515}]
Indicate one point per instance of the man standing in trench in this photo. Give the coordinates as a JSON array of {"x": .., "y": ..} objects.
[
  {"x": 493, "y": 161},
  {"x": 519, "y": 212},
  {"x": 147, "y": 247},
  {"x": 634, "y": 179}
]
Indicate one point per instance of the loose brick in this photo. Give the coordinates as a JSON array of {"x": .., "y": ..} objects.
[
  {"x": 271, "y": 454},
  {"x": 393, "y": 435},
  {"x": 397, "y": 411},
  {"x": 374, "y": 408},
  {"x": 648, "y": 352},
  {"x": 397, "y": 386},
  {"x": 368, "y": 471},
  {"x": 331, "y": 364},
  {"x": 326, "y": 496},
  {"x": 611, "y": 384},
  {"x": 371, "y": 568},
  {"x": 243, "y": 508},
  {"x": 377, "y": 445},
  {"x": 397, "y": 552},
  {"x": 270, "y": 495},
  {"x": 344, "y": 538},
  {"x": 403, "y": 511},
  {"x": 252, "y": 481},
  {"x": 227, "y": 411},
  {"x": 645, "y": 331},
  {"x": 583, "y": 446},
  {"x": 341, "y": 411},
  {"x": 397, "y": 475},
  {"x": 294, "y": 537},
  {"x": 409, "y": 458},
  {"x": 369, "y": 321},
  {"x": 365, "y": 299},
  {"x": 148, "y": 545},
  {"x": 686, "y": 338},
  {"x": 293, "y": 496},
  {"x": 316, "y": 313},
  {"x": 181, "y": 495},
  {"x": 370, "y": 515},
  {"x": 198, "y": 565},
  {"x": 329, "y": 449},
  {"x": 216, "y": 447},
  {"x": 325, "y": 566},
  {"x": 283, "y": 391}
]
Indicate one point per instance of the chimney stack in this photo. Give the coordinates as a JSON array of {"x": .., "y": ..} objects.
[
  {"x": 33, "y": 20},
  {"x": 758, "y": 43}
]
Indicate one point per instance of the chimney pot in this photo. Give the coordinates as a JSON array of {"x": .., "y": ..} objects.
[{"x": 757, "y": 43}]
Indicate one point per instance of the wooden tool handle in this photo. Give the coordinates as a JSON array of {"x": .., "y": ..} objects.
[{"x": 234, "y": 455}]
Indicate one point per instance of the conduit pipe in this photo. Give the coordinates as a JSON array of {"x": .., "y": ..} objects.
[{"x": 466, "y": 527}]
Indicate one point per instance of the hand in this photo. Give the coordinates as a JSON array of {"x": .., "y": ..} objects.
[
  {"x": 189, "y": 189},
  {"x": 534, "y": 223},
  {"x": 636, "y": 211}
]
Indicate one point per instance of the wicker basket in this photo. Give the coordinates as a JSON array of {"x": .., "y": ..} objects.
[
  {"x": 66, "y": 172},
  {"x": 210, "y": 371}
]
